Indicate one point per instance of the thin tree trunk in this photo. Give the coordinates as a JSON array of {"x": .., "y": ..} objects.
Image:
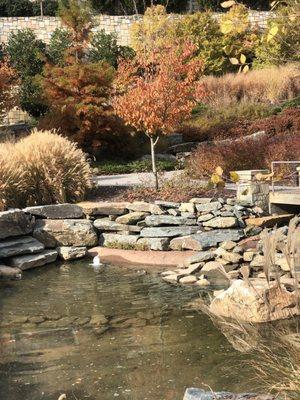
[{"x": 153, "y": 158}]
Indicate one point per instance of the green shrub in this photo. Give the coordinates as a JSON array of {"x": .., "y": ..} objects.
[
  {"x": 284, "y": 46},
  {"x": 59, "y": 43},
  {"x": 203, "y": 30},
  {"x": 105, "y": 48},
  {"x": 26, "y": 8},
  {"x": 42, "y": 168},
  {"x": 30, "y": 97},
  {"x": 26, "y": 52}
]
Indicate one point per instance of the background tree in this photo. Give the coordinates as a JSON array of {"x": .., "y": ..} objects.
[
  {"x": 27, "y": 56},
  {"x": 158, "y": 93},
  {"x": 7, "y": 93}
]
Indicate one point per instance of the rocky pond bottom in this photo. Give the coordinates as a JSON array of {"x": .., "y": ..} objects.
[{"x": 109, "y": 333}]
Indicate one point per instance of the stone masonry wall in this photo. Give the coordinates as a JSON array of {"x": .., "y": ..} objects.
[{"x": 44, "y": 27}]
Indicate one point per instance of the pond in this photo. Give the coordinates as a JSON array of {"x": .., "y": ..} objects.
[{"x": 153, "y": 347}]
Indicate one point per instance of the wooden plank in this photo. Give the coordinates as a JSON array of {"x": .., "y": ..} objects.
[{"x": 289, "y": 197}]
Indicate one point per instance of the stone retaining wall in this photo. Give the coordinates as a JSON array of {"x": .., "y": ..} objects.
[
  {"x": 44, "y": 27},
  {"x": 39, "y": 235}
]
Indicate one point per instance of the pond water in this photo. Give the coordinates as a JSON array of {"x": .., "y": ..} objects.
[{"x": 153, "y": 347}]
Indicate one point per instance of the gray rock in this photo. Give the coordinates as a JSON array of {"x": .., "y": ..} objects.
[
  {"x": 228, "y": 245},
  {"x": 145, "y": 207},
  {"x": 105, "y": 224},
  {"x": 10, "y": 272},
  {"x": 207, "y": 207},
  {"x": 131, "y": 218},
  {"x": 167, "y": 204},
  {"x": 200, "y": 257},
  {"x": 169, "y": 231},
  {"x": 18, "y": 246},
  {"x": 171, "y": 278},
  {"x": 56, "y": 211},
  {"x": 71, "y": 253},
  {"x": 118, "y": 241},
  {"x": 221, "y": 222},
  {"x": 65, "y": 232},
  {"x": 160, "y": 220},
  {"x": 15, "y": 223},
  {"x": 154, "y": 243},
  {"x": 178, "y": 243},
  {"x": 33, "y": 260},
  {"x": 187, "y": 207},
  {"x": 206, "y": 240},
  {"x": 205, "y": 217}
]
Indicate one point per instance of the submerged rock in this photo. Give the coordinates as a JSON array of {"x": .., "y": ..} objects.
[
  {"x": 10, "y": 272},
  {"x": 199, "y": 394}
]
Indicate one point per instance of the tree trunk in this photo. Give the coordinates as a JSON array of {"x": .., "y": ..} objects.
[{"x": 153, "y": 144}]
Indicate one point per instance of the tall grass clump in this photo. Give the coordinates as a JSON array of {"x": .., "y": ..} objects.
[
  {"x": 269, "y": 85},
  {"x": 42, "y": 168}
]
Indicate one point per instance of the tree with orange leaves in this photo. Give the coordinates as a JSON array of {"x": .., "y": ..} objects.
[
  {"x": 7, "y": 94},
  {"x": 157, "y": 93}
]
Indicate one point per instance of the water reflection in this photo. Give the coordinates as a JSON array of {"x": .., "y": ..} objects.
[{"x": 108, "y": 334}]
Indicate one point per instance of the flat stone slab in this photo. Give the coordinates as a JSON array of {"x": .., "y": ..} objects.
[
  {"x": 56, "y": 211},
  {"x": 160, "y": 220},
  {"x": 105, "y": 224},
  {"x": 104, "y": 208},
  {"x": 169, "y": 231},
  {"x": 115, "y": 240},
  {"x": 18, "y": 246},
  {"x": 33, "y": 260},
  {"x": 15, "y": 223},
  {"x": 65, "y": 232},
  {"x": 205, "y": 240},
  {"x": 198, "y": 394}
]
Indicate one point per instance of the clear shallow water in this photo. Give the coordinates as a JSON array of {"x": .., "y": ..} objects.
[{"x": 152, "y": 349}]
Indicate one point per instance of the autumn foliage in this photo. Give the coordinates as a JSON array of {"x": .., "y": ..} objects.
[{"x": 7, "y": 95}]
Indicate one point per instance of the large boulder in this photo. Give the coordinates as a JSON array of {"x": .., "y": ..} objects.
[
  {"x": 33, "y": 260},
  {"x": 21, "y": 245},
  {"x": 256, "y": 302},
  {"x": 15, "y": 223},
  {"x": 169, "y": 231},
  {"x": 56, "y": 211},
  {"x": 103, "y": 208},
  {"x": 65, "y": 232}
]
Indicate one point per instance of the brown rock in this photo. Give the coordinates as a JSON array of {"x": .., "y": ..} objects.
[
  {"x": 269, "y": 221},
  {"x": 103, "y": 208}
]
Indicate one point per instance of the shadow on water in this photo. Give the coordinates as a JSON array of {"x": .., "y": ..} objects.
[{"x": 107, "y": 334}]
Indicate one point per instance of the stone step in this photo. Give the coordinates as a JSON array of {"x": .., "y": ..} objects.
[
  {"x": 33, "y": 260},
  {"x": 20, "y": 246}
]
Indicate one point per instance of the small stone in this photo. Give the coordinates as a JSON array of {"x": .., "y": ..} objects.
[
  {"x": 188, "y": 280},
  {"x": 200, "y": 257},
  {"x": 258, "y": 261},
  {"x": 203, "y": 282},
  {"x": 238, "y": 249},
  {"x": 166, "y": 273},
  {"x": 131, "y": 218},
  {"x": 173, "y": 212},
  {"x": 207, "y": 207},
  {"x": 248, "y": 256},
  {"x": 205, "y": 217},
  {"x": 221, "y": 222},
  {"x": 233, "y": 258},
  {"x": 187, "y": 207},
  {"x": 171, "y": 278},
  {"x": 228, "y": 245}
]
